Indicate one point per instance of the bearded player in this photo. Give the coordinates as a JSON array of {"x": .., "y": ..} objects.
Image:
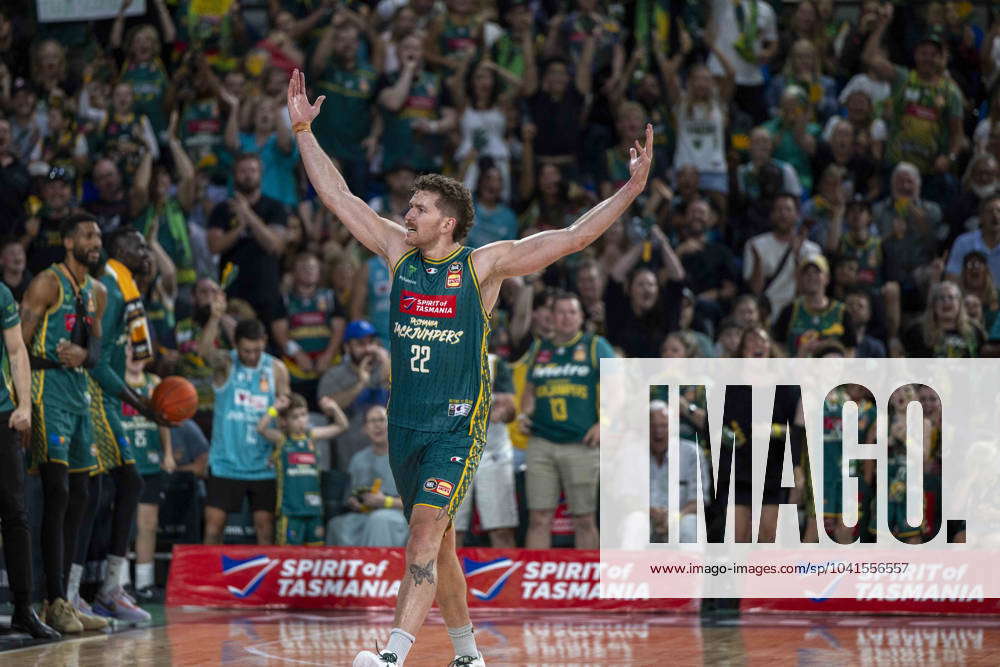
[{"x": 441, "y": 299}]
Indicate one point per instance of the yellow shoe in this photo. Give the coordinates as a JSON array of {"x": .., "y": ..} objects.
[
  {"x": 88, "y": 618},
  {"x": 61, "y": 616}
]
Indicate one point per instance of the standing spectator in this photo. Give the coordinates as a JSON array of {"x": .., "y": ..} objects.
[
  {"x": 514, "y": 50},
  {"x": 360, "y": 380},
  {"x": 747, "y": 34},
  {"x": 62, "y": 146},
  {"x": 554, "y": 111},
  {"x": 700, "y": 115},
  {"x": 208, "y": 318},
  {"x": 375, "y": 517},
  {"x": 349, "y": 133},
  {"x": 482, "y": 108},
  {"x": 416, "y": 111},
  {"x": 124, "y": 136},
  {"x": 495, "y": 221},
  {"x": 759, "y": 181},
  {"x": 981, "y": 182},
  {"x": 165, "y": 219},
  {"x": 300, "y": 503},
  {"x": 590, "y": 282},
  {"x": 925, "y": 110},
  {"x": 559, "y": 409},
  {"x": 312, "y": 328},
  {"x": 143, "y": 68},
  {"x": 454, "y": 36},
  {"x": 396, "y": 200},
  {"x": 248, "y": 232},
  {"x": 247, "y": 381},
  {"x": 804, "y": 69},
  {"x": 770, "y": 259},
  {"x": 272, "y": 141},
  {"x": 15, "y": 183},
  {"x": 370, "y": 295},
  {"x": 42, "y": 236},
  {"x": 572, "y": 33},
  {"x": 26, "y": 128},
  {"x": 115, "y": 205}
]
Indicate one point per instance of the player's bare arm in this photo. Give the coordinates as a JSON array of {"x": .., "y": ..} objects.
[
  {"x": 381, "y": 236},
  {"x": 282, "y": 380},
  {"x": 507, "y": 259},
  {"x": 20, "y": 419},
  {"x": 42, "y": 294}
]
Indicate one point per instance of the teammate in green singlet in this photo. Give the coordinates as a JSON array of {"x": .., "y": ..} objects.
[
  {"x": 61, "y": 325},
  {"x": 299, "y": 515},
  {"x": 441, "y": 299}
]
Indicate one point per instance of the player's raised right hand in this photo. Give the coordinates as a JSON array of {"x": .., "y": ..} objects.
[{"x": 299, "y": 108}]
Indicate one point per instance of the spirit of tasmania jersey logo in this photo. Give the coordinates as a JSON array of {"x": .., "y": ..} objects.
[{"x": 432, "y": 305}]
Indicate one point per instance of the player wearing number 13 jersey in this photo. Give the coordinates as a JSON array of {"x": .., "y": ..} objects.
[{"x": 441, "y": 298}]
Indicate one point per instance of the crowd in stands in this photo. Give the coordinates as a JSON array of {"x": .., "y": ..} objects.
[{"x": 826, "y": 176}]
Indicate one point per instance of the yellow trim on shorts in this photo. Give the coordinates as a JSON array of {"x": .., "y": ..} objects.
[
  {"x": 87, "y": 469},
  {"x": 104, "y": 425},
  {"x": 452, "y": 507},
  {"x": 437, "y": 507}
]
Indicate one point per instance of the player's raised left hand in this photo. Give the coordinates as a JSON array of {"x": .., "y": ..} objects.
[
  {"x": 299, "y": 108},
  {"x": 640, "y": 160}
]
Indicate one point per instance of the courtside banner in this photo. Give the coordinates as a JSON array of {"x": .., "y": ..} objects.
[
  {"x": 369, "y": 577},
  {"x": 874, "y": 482}
]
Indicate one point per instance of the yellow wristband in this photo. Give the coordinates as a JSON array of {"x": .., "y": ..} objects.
[
  {"x": 388, "y": 502},
  {"x": 272, "y": 411},
  {"x": 301, "y": 126}
]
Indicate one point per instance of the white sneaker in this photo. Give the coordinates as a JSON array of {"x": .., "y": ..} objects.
[
  {"x": 468, "y": 661},
  {"x": 370, "y": 659}
]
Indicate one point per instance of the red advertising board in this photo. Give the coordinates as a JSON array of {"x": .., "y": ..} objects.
[{"x": 369, "y": 577}]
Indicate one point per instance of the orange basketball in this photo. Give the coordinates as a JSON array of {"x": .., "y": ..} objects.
[{"x": 175, "y": 398}]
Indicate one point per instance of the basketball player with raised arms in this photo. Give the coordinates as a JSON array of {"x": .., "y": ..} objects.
[{"x": 441, "y": 299}]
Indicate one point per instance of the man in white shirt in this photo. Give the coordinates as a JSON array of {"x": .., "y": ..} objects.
[
  {"x": 691, "y": 458},
  {"x": 747, "y": 34},
  {"x": 770, "y": 259}
]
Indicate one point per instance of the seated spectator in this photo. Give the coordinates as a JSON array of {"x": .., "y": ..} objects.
[
  {"x": 759, "y": 181},
  {"x": 945, "y": 330},
  {"x": 823, "y": 213},
  {"x": 804, "y": 69},
  {"x": 375, "y": 509},
  {"x": 360, "y": 380},
  {"x": 910, "y": 228},
  {"x": 770, "y": 259},
  {"x": 693, "y": 475},
  {"x": 842, "y": 148},
  {"x": 795, "y": 134},
  {"x": 813, "y": 317},
  {"x": 62, "y": 146},
  {"x": 26, "y": 127},
  {"x": 859, "y": 307},
  {"x": 494, "y": 220},
  {"x": 981, "y": 182},
  {"x": 13, "y": 264},
  {"x": 869, "y": 130},
  {"x": 709, "y": 267},
  {"x": 15, "y": 183},
  {"x": 977, "y": 280}
]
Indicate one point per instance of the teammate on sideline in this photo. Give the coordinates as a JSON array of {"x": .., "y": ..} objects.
[
  {"x": 300, "y": 501},
  {"x": 123, "y": 322},
  {"x": 15, "y": 421},
  {"x": 61, "y": 326},
  {"x": 441, "y": 299}
]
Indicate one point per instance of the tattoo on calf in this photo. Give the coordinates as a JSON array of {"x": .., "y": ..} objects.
[{"x": 422, "y": 573}]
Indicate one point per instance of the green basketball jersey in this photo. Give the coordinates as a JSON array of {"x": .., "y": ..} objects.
[
  {"x": 567, "y": 379},
  {"x": 298, "y": 478},
  {"x": 438, "y": 331},
  {"x": 67, "y": 386},
  {"x": 805, "y": 325},
  {"x": 9, "y": 317},
  {"x": 143, "y": 434}
]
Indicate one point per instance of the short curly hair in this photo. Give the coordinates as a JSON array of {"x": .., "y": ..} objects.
[{"x": 454, "y": 200}]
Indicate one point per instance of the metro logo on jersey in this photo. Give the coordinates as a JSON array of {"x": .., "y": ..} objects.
[{"x": 413, "y": 303}]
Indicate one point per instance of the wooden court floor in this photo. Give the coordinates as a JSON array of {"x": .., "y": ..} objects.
[{"x": 207, "y": 637}]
